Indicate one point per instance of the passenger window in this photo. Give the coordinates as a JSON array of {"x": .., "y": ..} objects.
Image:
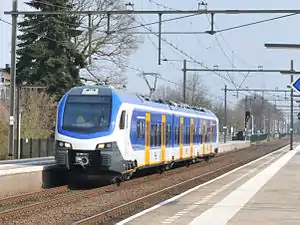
[
  {"x": 187, "y": 135},
  {"x": 138, "y": 129},
  {"x": 179, "y": 137},
  {"x": 176, "y": 135},
  {"x": 142, "y": 125},
  {"x": 152, "y": 135},
  {"x": 169, "y": 134},
  {"x": 158, "y": 129},
  {"x": 122, "y": 120}
]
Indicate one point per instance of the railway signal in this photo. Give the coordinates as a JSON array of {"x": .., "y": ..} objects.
[{"x": 247, "y": 116}]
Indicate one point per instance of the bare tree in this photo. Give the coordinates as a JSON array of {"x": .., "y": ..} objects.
[
  {"x": 4, "y": 128},
  {"x": 196, "y": 92},
  {"x": 265, "y": 114},
  {"x": 234, "y": 116},
  {"x": 111, "y": 43},
  {"x": 38, "y": 114},
  {"x": 107, "y": 75},
  {"x": 168, "y": 93}
]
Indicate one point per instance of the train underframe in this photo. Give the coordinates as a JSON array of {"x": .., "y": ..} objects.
[{"x": 110, "y": 166}]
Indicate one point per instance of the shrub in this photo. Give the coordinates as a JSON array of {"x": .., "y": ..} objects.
[{"x": 4, "y": 129}]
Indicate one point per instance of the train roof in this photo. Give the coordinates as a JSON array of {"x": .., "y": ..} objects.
[{"x": 137, "y": 99}]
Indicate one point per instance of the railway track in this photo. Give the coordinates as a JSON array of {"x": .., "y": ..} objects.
[
  {"x": 67, "y": 197},
  {"x": 61, "y": 190},
  {"x": 33, "y": 196},
  {"x": 42, "y": 202},
  {"x": 163, "y": 194}
]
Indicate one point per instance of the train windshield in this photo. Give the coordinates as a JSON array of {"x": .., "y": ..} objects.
[{"x": 87, "y": 114}]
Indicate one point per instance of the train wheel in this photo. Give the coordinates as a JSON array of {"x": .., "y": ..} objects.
[
  {"x": 161, "y": 169},
  {"x": 117, "y": 181},
  {"x": 189, "y": 162}
]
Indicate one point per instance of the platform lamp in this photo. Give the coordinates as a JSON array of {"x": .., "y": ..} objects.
[{"x": 291, "y": 73}]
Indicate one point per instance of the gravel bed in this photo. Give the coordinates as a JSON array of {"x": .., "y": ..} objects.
[
  {"x": 34, "y": 197},
  {"x": 66, "y": 214}
]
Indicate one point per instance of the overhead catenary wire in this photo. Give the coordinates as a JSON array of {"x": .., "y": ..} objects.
[
  {"x": 187, "y": 55},
  {"x": 245, "y": 76},
  {"x": 149, "y": 29},
  {"x": 117, "y": 64},
  {"x": 143, "y": 25},
  {"x": 133, "y": 27},
  {"x": 191, "y": 15},
  {"x": 227, "y": 57},
  {"x": 178, "y": 84},
  {"x": 153, "y": 43},
  {"x": 255, "y": 23},
  {"x": 231, "y": 79},
  {"x": 138, "y": 70}
]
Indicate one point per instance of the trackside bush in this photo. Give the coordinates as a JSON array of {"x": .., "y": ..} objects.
[{"x": 4, "y": 128}]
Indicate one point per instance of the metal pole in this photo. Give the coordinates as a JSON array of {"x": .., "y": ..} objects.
[
  {"x": 245, "y": 113},
  {"x": 19, "y": 134},
  {"x": 264, "y": 124},
  {"x": 90, "y": 39},
  {"x": 13, "y": 79},
  {"x": 159, "y": 39},
  {"x": 225, "y": 114},
  {"x": 170, "y": 12},
  {"x": 18, "y": 119},
  {"x": 287, "y": 72},
  {"x": 184, "y": 80},
  {"x": 292, "y": 126},
  {"x": 261, "y": 116},
  {"x": 252, "y": 124}
]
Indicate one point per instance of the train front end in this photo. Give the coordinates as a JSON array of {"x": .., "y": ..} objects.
[{"x": 85, "y": 141}]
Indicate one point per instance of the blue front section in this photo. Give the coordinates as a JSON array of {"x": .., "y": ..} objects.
[{"x": 115, "y": 108}]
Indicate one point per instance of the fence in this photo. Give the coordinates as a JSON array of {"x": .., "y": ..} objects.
[
  {"x": 31, "y": 148},
  {"x": 258, "y": 137}
]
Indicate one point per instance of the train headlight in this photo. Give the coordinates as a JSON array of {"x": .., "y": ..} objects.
[
  {"x": 67, "y": 145},
  {"x": 103, "y": 146},
  {"x": 100, "y": 146},
  {"x": 63, "y": 144}
]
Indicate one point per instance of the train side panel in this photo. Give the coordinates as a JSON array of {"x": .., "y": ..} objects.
[{"x": 159, "y": 138}]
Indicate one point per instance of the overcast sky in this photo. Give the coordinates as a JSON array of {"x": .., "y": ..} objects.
[{"x": 244, "y": 47}]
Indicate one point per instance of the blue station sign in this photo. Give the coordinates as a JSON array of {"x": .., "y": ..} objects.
[{"x": 296, "y": 85}]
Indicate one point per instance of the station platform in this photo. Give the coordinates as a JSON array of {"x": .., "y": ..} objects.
[
  {"x": 265, "y": 191},
  {"x": 27, "y": 175},
  {"x": 25, "y": 165}
]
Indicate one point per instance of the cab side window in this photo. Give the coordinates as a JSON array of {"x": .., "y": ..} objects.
[{"x": 122, "y": 120}]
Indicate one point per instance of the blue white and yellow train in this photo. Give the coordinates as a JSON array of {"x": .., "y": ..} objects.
[{"x": 109, "y": 132}]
